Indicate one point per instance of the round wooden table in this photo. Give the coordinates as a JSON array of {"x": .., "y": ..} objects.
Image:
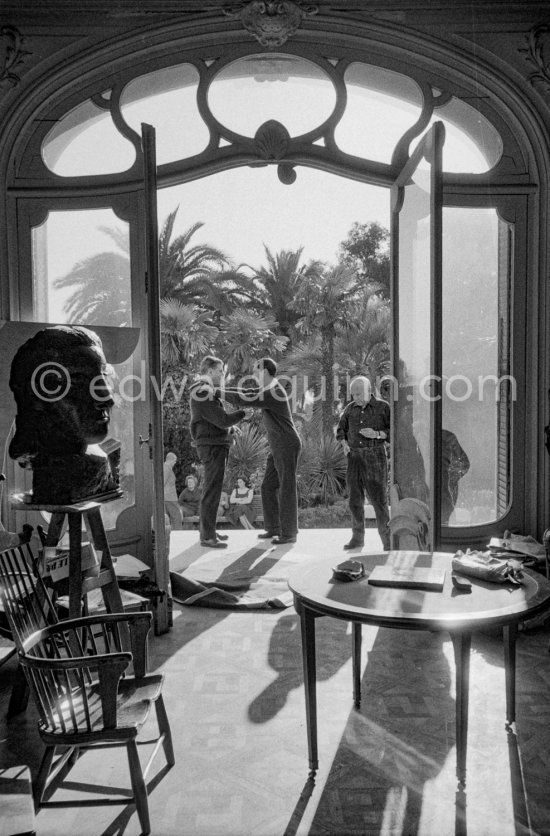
[{"x": 317, "y": 594}]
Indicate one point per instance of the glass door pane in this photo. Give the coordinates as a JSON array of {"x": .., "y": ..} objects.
[
  {"x": 478, "y": 390},
  {"x": 416, "y": 345},
  {"x": 81, "y": 275}
]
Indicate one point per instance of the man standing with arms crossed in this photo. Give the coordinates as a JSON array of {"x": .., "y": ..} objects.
[
  {"x": 210, "y": 425},
  {"x": 279, "y": 491},
  {"x": 363, "y": 429}
]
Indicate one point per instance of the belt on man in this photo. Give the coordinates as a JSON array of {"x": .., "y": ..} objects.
[{"x": 369, "y": 442}]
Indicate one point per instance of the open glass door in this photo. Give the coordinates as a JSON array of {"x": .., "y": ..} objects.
[
  {"x": 154, "y": 377},
  {"x": 94, "y": 263},
  {"x": 416, "y": 345}
]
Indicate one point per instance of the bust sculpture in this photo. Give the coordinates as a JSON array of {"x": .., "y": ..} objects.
[{"x": 64, "y": 400}]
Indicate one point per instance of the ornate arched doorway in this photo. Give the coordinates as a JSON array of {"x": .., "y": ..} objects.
[{"x": 320, "y": 100}]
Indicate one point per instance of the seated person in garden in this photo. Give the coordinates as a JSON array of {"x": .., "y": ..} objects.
[
  {"x": 240, "y": 504},
  {"x": 224, "y": 504},
  {"x": 190, "y": 497}
]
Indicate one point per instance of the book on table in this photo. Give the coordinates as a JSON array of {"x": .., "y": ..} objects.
[{"x": 409, "y": 577}]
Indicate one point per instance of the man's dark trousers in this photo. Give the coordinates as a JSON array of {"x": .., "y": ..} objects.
[
  {"x": 279, "y": 493},
  {"x": 367, "y": 475},
  {"x": 213, "y": 458}
]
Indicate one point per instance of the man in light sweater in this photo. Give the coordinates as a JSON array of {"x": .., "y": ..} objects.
[{"x": 279, "y": 492}]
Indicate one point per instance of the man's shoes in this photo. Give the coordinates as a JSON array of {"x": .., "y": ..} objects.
[
  {"x": 354, "y": 544},
  {"x": 213, "y": 544},
  {"x": 222, "y": 537},
  {"x": 267, "y": 535},
  {"x": 280, "y": 541}
]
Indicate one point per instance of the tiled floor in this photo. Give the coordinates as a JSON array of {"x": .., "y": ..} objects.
[{"x": 235, "y": 699}]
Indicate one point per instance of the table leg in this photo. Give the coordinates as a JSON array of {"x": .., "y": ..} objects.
[
  {"x": 510, "y": 635},
  {"x": 462, "y": 644},
  {"x": 356, "y": 663},
  {"x": 307, "y": 623}
]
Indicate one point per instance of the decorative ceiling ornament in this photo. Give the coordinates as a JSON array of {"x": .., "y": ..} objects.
[
  {"x": 271, "y": 141},
  {"x": 272, "y": 22},
  {"x": 537, "y": 54},
  {"x": 11, "y": 54}
]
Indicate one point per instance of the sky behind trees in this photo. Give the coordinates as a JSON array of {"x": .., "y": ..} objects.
[{"x": 244, "y": 208}]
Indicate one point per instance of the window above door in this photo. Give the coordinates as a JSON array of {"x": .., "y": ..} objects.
[{"x": 268, "y": 107}]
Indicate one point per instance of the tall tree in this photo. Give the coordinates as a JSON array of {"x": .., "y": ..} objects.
[
  {"x": 185, "y": 334},
  {"x": 323, "y": 303},
  {"x": 277, "y": 284},
  {"x": 185, "y": 268},
  {"x": 365, "y": 250},
  {"x": 100, "y": 285},
  {"x": 245, "y": 336},
  {"x": 199, "y": 274},
  {"x": 364, "y": 346}
]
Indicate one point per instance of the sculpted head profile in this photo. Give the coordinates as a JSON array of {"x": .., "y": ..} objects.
[{"x": 59, "y": 379}]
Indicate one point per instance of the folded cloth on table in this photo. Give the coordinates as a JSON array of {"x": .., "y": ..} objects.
[
  {"x": 521, "y": 544},
  {"x": 525, "y": 543},
  {"x": 484, "y": 566}
]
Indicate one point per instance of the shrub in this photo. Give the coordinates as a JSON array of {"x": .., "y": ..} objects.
[
  {"x": 321, "y": 470},
  {"x": 325, "y": 516},
  {"x": 247, "y": 456}
]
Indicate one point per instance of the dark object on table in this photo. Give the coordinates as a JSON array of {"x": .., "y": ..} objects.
[
  {"x": 349, "y": 570},
  {"x": 64, "y": 401},
  {"x": 461, "y": 584}
]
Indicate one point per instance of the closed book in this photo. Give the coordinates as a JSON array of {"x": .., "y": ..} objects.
[{"x": 413, "y": 577}]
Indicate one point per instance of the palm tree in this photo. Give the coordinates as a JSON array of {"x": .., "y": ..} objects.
[
  {"x": 101, "y": 285},
  {"x": 323, "y": 303},
  {"x": 185, "y": 269},
  {"x": 185, "y": 333},
  {"x": 245, "y": 336},
  {"x": 363, "y": 348},
  {"x": 277, "y": 285},
  {"x": 200, "y": 274}
]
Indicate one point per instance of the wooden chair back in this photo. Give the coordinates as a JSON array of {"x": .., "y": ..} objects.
[
  {"x": 26, "y": 601},
  {"x": 74, "y": 673}
]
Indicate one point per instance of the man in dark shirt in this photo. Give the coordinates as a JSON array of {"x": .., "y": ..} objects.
[
  {"x": 363, "y": 429},
  {"x": 209, "y": 426},
  {"x": 279, "y": 492}
]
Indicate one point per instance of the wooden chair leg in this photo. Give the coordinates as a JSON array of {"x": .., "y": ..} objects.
[
  {"x": 138, "y": 787},
  {"x": 42, "y": 778},
  {"x": 19, "y": 694},
  {"x": 164, "y": 729}
]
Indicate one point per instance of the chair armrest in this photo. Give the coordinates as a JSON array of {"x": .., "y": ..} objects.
[
  {"x": 107, "y": 618},
  {"x": 81, "y": 636}
]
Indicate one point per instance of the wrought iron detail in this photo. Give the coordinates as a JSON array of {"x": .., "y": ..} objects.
[
  {"x": 11, "y": 54},
  {"x": 272, "y": 22},
  {"x": 271, "y": 141},
  {"x": 537, "y": 53},
  {"x": 286, "y": 173}
]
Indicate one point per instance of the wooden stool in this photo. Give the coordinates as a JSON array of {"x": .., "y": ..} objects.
[{"x": 90, "y": 513}]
